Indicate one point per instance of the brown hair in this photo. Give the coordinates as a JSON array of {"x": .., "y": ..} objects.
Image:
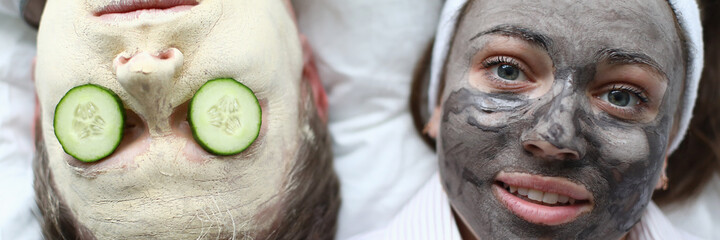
[
  {"x": 690, "y": 167},
  {"x": 693, "y": 164},
  {"x": 421, "y": 79},
  {"x": 57, "y": 220},
  {"x": 311, "y": 197}
]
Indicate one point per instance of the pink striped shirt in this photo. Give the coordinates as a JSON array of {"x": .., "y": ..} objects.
[{"x": 428, "y": 217}]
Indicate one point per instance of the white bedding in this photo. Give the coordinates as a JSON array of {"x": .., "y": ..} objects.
[
  {"x": 17, "y": 49},
  {"x": 700, "y": 216},
  {"x": 366, "y": 51}
]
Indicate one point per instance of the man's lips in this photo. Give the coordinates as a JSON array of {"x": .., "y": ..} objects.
[
  {"x": 131, "y": 9},
  {"x": 542, "y": 200}
]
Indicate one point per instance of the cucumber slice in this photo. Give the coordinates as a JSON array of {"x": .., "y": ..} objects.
[
  {"x": 89, "y": 122},
  {"x": 224, "y": 116}
]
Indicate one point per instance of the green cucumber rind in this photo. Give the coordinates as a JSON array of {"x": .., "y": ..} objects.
[
  {"x": 121, "y": 109},
  {"x": 194, "y": 128}
]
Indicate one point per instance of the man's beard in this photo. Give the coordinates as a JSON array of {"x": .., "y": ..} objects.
[{"x": 310, "y": 199}]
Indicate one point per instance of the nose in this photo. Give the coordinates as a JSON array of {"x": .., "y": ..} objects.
[
  {"x": 555, "y": 134},
  {"x": 546, "y": 150},
  {"x": 144, "y": 74},
  {"x": 149, "y": 79}
]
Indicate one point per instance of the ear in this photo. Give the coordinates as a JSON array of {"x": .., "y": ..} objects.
[
  {"x": 310, "y": 74},
  {"x": 433, "y": 126},
  {"x": 663, "y": 180},
  {"x": 31, "y": 11},
  {"x": 36, "y": 116},
  {"x": 291, "y": 11}
]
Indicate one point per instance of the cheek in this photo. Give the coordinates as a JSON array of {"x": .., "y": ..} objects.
[
  {"x": 626, "y": 152},
  {"x": 474, "y": 129},
  {"x": 624, "y": 145},
  {"x": 482, "y": 111}
]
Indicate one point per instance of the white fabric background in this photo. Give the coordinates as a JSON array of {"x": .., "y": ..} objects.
[
  {"x": 17, "y": 104},
  {"x": 10, "y": 8},
  {"x": 366, "y": 51},
  {"x": 699, "y": 216}
]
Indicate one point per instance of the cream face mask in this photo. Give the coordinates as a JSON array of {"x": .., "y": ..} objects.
[{"x": 162, "y": 181}]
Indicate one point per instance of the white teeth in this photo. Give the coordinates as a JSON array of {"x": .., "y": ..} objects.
[
  {"x": 535, "y": 195},
  {"x": 563, "y": 198},
  {"x": 540, "y": 196},
  {"x": 550, "y": 198},
  {"x": 523, "y": 191}
]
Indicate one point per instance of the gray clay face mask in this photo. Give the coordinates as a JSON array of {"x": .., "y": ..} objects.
[{"x": 556, "y": 115}]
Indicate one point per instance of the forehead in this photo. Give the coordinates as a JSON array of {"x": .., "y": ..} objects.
[{"x": 578, "y": 30}]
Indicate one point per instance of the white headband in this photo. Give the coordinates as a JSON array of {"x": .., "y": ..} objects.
[{"x": 688, "y": 16}]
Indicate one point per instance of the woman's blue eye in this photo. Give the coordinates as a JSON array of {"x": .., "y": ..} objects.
[
  {"x": 505, "y": 69},
  {"x": 620, "y": 98},
  {"x": 508, "y": 72}
]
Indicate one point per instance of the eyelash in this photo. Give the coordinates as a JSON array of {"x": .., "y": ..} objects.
[
  {"x": 627, "y": 113},
  {"x": 622, "y": 112},
  {"x": 494, "y": 61},
  {"x": 503, "y": 85},
  {"x": 498, "y": 60},
  {"x": 638, "y": 92}
]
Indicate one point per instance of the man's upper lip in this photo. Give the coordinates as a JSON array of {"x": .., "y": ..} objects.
[
  {"x": 546, "y": 184},
  {"x": 126, "y": 6}
]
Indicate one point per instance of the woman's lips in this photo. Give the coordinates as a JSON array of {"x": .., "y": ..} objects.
[
  {"x": 542, "y": 200},
  {"x": 132, "y": 9}
]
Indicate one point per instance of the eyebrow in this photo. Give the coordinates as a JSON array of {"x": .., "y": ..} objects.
[
  {"x": 535, "y": 38},
  {"x": 623, "y": 56}
]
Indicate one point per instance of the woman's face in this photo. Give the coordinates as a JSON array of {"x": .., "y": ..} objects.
[
  {"x": 160, "y": 179},
  {"x": 556, "y": 115}
]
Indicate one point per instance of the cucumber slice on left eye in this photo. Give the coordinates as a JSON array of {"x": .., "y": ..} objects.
[
  {"x": 89, "y": 122},
  {"x": 224, "y": 116}
]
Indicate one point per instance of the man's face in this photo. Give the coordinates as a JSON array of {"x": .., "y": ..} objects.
[
  {"x": 557, "y": 114},
  {"x": 160, "y": 183}
]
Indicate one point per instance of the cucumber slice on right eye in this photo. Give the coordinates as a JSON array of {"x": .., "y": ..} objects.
[
  {"x": 89, "y": 122},
  {"x": 224, "y": 116}
]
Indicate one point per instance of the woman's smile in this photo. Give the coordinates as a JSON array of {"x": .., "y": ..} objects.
[{"x": 540, "y": 199}]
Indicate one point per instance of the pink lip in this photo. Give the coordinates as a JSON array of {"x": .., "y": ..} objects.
[
  {"x": 538, "y": 213},
  {"x": 132, "y": 9},
  {"x": 546, "y": 184}
]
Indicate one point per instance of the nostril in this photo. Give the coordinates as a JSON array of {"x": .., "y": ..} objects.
[
  {"x": 544, "y": 149},
  {"x": 533, "y": 149},
  {"x": 123, "y": 60},
  {"x": 167, "y": 54},
  {"x": 569, "y": 155}
]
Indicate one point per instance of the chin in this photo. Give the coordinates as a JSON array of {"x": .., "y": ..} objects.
[{"x": 520, "y": 205}]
